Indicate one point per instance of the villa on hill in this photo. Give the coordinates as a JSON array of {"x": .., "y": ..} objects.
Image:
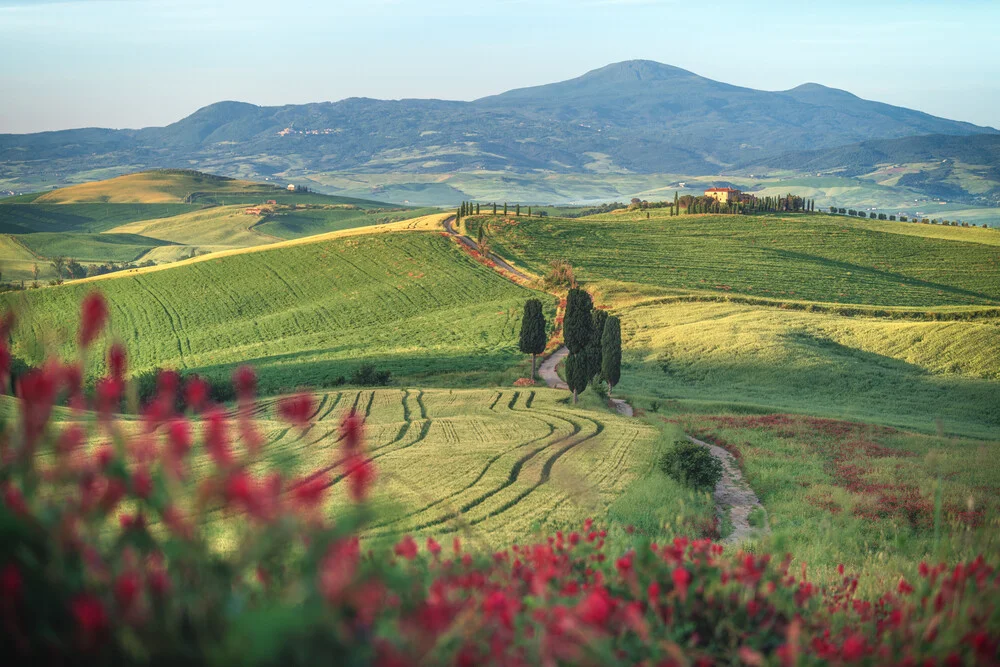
[{"x": 723, "y": 195}]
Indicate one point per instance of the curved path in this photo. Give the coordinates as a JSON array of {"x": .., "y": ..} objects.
[
  {"x": 449, "y": 226},
  {"x": 732, "y": 493}
]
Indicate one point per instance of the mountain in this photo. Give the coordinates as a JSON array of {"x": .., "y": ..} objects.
[
  {"x": 963, "y": 169},
  {"x": 637, "y": 116}
]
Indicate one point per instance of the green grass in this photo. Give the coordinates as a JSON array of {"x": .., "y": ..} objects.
[
  {"x": 91, "y": 247},
  {"x": 297, "y": 223},
  {"x": 902, "y": 373},
  {"x": 877, "y": 500},
  {"x": 813, "y": 258},
  {"x": 410, "y": 302},
  {"x": 91, "y": 218}
]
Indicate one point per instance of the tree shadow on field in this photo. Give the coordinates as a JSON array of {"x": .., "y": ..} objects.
[
  {"x": 820, "y": 376},
  {"x": 878, "y": 274}
]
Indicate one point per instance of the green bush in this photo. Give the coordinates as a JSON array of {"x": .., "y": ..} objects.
[{"x": 692, "y": 464}]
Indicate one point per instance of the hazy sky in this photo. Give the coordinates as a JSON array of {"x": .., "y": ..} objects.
[{"x": 134, "y": 63}]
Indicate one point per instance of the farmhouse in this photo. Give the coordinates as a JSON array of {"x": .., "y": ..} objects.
[
  {"x": 723, "y": 195},
  {"x": 291, "y": 187}
]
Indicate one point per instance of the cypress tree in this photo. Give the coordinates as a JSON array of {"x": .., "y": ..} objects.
[
  {"x": 578, "y": 322},
  {"x": 518, "y": 210},
  {"x": 505, "y": 208},
  {"x": 593, "y": 352},
  {"x": 677, "y": 206},
  {"x": 532, "y": 339},
  {"x": 477, "y": 209},
  {"x": 576, "y": 374},
  {"x": 611, "y": 352},
  {"x": 494, "y": 208},
  {"x": 529, "y": 211}
]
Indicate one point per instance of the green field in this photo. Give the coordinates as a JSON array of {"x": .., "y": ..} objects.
[
  {"x": 180, "y": 213},
  {"x": 895, "y": 372},
  {"x": 91, "y": 247},
  {"x": 410, "y": 302},
  {"x": 80, "y": 218},
  {"x": 301, "y": 222},
  {"x": 813, "y": 258}
]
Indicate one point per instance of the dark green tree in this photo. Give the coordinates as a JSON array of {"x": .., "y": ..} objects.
[
  {"x": 677, "y": 206},
  {"x": 477, "y": 209},
  {"x": 578, "y": 322},
  {"x": 505, "y": 208},
  {"x": 533, "y": 337},
  {"x": 593, "y": 352},
  {"x": 577, "y": 374},
  {"x": 494, "y": 208},
  {"x": 611, "y": 352},
  {"x": 518, "y": 210}
]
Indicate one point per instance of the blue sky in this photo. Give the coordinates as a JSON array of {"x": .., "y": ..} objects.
[{"x": 134, "y": 63}]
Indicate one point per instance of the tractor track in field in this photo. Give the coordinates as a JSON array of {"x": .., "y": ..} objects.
[{"x": 514, "y": 476}]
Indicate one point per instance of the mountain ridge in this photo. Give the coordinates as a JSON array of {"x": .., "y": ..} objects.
[{"x": 635, "y": 116}]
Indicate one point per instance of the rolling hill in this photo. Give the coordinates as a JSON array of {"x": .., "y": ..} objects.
[
  {"x": 639, "y": 116},
  {"x": 166, "y": 215}
]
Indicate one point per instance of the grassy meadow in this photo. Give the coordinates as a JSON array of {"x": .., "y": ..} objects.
[
  {"x": 813, "y": 258},
  {"x": 303, "y": 314}
]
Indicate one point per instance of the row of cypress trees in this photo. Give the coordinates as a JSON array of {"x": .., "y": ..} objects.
[
  {"x": 593, "y": 337},
  {"x": 594, "y": 340}
]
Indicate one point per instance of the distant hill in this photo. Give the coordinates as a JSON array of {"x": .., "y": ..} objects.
[
  {"x": 639, "y": 116},
  {"x": 957, "y": 168},
  {"x": 166, "y": 215}
]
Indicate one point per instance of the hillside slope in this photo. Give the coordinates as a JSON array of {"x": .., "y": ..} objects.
[{"x": 303, "y": 313}]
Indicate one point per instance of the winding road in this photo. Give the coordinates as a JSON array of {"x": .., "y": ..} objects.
[{"x": 732, "y": 494}]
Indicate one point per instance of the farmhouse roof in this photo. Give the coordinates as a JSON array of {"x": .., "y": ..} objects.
[{"x": 722, "y": 190}]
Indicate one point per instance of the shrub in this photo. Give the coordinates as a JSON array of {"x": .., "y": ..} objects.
[
  {"x": 692, "y": 464},
  {"x": 560, "y": 275},
  {"x": 367, "y": 375}
]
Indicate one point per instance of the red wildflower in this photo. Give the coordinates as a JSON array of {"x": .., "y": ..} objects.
[
  {"x": 109, "y": 395},
  {"x": 854, "y": 648},
  {"x": 217, "y": 439},
  {"x": 904, "y": 587},
  {"x": 142, "y": 483},
  {"x": 240, "y": 489},
  {"x": 245, "y": 382},
  {"x": 195, "y": 393},
  {"x": 433, "y": 547},
  {"x": 682, "y": 579},
  {"x": 104, "y": 456},
  {"x": 11, "y": 582},
  {"x": 127, "y": 587},
  {"x": 336, "y": 570},
  {"x": 89, "y": 614},
  {"x": 113, "y": 493},
  {"x": 70, "y": 439},
  {"x": 179, "y": 437},
  {"x": 360, "y": 473},
  {"x": 93, "y": 317},
  {"x": 596, "y": 608},
  {"x": 117, "y": 361},
  {"x": 406, "y": 548},
  {"x": 351, "y": 433},
  {"x": 296, "y": 409},
  {"x": 309, "y": 492}
]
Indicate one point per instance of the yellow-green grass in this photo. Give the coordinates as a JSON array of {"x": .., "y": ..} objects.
[
  {"x": 183, "y": 256},
  {"x": 903, "y": 373},
  {"x": 294, "y": 223},
  {"x": 304, "y": 313},
  {"x": 877, "y": 500},
  {"x": 803, "y": 257},
  {"x": 109, "y": 247},
  {"x": 219, "y": 227},
  {"x": 151, "y": 187},
  {"x": 17, "y": 262},
  {"x": 23, "y": 218}
]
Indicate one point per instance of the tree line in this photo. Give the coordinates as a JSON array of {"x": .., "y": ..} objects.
[
  {"x": 902, "y": 218},
  {"x": 593, "y": 337}
]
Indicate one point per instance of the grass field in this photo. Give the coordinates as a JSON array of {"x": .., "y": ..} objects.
[
  {"x": 80, "y": 218},
  {"x": 877, "y": 499},
  {"x": 91, "y": 247},
  {"x": 17, "y": 262},
  {"x": 298, "y": 223},
  {"x": 894, "y": 372},
  {"x": 306, "y": 312},
  {"x": 217, "y": 227},
  {"x": 814, "y": 258}
]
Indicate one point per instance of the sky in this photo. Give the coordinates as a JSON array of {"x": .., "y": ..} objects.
[{"x": 137, "y": 63}]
